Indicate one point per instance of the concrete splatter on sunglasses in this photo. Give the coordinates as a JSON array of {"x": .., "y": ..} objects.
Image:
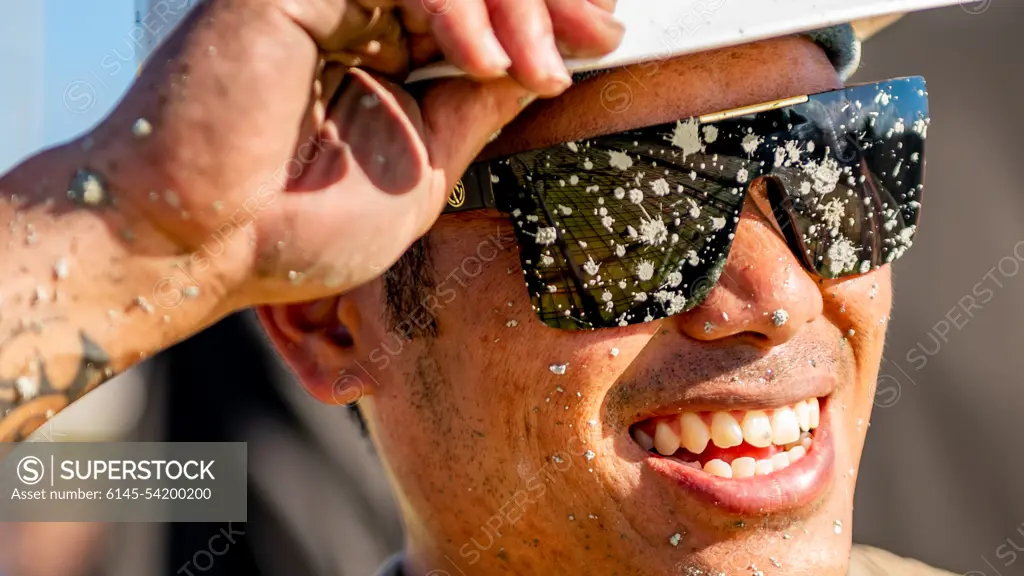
[{"x": 636, "y": 226}]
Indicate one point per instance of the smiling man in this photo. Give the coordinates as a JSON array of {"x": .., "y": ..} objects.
[{"x": 643, "y": 337}]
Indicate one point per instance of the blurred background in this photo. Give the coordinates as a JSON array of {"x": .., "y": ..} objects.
[{"x": 942, "y": 475}]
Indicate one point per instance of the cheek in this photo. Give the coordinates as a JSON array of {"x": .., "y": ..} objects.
[
  {"x": 516, "y": 385},
  {"x": 482, "y": 398},
  {"x": 503, "y": 363},
  {"x": 872, "y": 299},
  {"x": 859, "y": 308}
]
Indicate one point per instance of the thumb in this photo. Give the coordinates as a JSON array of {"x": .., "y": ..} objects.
[{"x": 460, "y": 116}]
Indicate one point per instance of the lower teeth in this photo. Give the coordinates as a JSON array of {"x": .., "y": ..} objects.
[{"x": 746, "y": 467}]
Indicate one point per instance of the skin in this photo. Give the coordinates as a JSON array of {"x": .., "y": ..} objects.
[
  {"x": 467, "y": 422},
  {"x": 259, "y": 176}
]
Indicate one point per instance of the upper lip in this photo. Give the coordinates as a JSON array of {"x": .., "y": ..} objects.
[
  {"x": 741, "y": 394},
  {"x": 683, "y": 375}
]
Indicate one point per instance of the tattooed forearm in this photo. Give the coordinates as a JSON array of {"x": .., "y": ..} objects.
[{"x": 27, "y": 402}]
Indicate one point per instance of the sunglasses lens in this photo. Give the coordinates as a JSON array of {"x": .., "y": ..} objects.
[
  {"x": 850, "y": 185},
  {"x": 616, "y": 230},
  {"x": 637, "y": 226}
]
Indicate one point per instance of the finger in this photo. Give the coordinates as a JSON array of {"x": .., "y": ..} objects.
[
  {"x": 383, "y": 47},
  {"x": 356, "y": 26},
  {"x": 330, "y": 24},
  {"x": 233, "y": 95},
  {"x": 608, "y": 5},
  {"x": 524, "y": 29},
  {"x": 331, "y": 80},
  {"x": 416, "y": 21},
  {"x": 423, "y": 49},
  {"x": 463, "y": 31},
  {"x": 414, "y": 14},
  {"x": 478, "y": 110},
  {"x": 385, "y": 4},
  {"x": 385, "y": 57},
  {"x": 584, "y": 30}
]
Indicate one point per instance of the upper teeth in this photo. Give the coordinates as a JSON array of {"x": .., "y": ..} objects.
[
  {"x": 694, "y": 434},
  {"x": 694, "y": 430}
]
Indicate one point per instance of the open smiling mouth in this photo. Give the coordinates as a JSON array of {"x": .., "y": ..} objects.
[{"x": 746, "y": 461}]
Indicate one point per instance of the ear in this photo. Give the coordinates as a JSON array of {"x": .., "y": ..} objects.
[{"x": 319, "y": 341}]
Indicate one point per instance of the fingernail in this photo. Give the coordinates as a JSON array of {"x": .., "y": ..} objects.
[
  {"x": 562, "y": 80},
  {"x": 609, "y": 20},
  {"x": 608, "y": 5},
  {"x": 495, "y": 56},
  {"x": 557, "y": 72}
]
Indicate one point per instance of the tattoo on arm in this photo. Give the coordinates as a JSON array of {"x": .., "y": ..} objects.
[{"x": 26, "y": 403}]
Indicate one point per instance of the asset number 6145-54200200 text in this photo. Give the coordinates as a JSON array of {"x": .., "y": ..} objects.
[{"x": 178, "y": 494}]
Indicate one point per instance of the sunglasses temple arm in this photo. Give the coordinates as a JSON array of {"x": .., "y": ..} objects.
[{"x": 474, "y": 191}]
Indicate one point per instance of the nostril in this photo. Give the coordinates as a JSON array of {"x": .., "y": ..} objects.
[{"x": 757, "y": 338}]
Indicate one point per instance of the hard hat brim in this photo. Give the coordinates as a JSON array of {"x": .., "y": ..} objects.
[{"x": 659, "y": 29}]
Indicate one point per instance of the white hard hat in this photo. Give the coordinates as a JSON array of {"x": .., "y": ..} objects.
[{"x": 657, "y": 29}]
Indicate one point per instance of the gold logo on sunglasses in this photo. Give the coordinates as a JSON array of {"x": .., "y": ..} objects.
[{"x": 458, "y": 195}]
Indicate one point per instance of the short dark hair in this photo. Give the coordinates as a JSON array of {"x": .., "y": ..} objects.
[{"x": 406, "y": 284}]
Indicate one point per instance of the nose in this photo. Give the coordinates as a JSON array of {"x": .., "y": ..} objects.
[{"x": 763, "y": 296}]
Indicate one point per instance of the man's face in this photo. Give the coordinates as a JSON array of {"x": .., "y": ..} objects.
[{"x": 502, "y": 463}]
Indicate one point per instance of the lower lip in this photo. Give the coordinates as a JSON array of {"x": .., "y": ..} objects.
[{"x": 795, "y": 487}]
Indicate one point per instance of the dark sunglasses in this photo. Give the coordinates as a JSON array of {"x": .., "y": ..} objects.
[{"x": 636, "y": 226}]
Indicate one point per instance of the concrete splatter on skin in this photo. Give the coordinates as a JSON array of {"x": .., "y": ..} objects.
[
  {"x": 780, "y": 317},
  {"x": 143, "y": 304},
  {"x": 27, "y": 387},
  {"x": 60, "y": 269},
  {"x": 142, "y": 128},
  {"x": 88, "y": 188}
]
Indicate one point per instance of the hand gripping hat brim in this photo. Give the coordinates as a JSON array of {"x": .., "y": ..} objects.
[{"x": 658, "y": 29}]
